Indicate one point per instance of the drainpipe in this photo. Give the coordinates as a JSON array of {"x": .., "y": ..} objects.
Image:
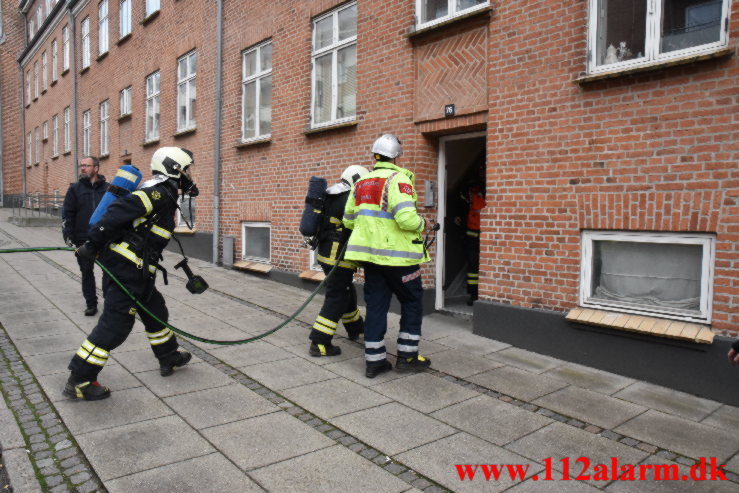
[
  {"x": 23, "y": 127},
  {"x": 73, "y": 69},
  {"x": 217, "y": 150}
]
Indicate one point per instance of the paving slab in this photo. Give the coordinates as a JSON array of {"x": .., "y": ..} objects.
[
  {"x": 349, "y": 350},
  {"x": 393, "y": 428},
  {"x": 668, "y": 400},
  {"x": 559, "y": 440},
  {"x": 49, "y": 363},
  {"x": 491, "y": 419},
  {"x": 124, "y": 407},
  {"x": 189, "y": 378},
  {"x": 590, "y": 378},
  {"x": 354, "y": 368},
  {"x": 438, "y": 461},
  {"x": 211, "y": 472},
  {"x": 123, "y": 450},
  {"x": 264, "y": 440},
  {"x": 49, "y": 344},
  {"x": 425, "y": 392},
  {"x": 20, "y": 471},
  {"x": 461, "y": 365},
  {"x": 140, "y": 360},
  {"x": 288, "y": 373},
  {"x": 50, "y": 315},
  {"x": 725, "y": 417},
  {"x": 679, "y": 482},
  {"x": 114, "y": 377},
  {"x": 329, "y": 470},
  {"x": 681, "y": 435},
  {"x": 425, "y": 347},
  {"x": 590, "y": 407},
  {"x": 334, "y": 397},
  {"x": 733, "y": 464},
  {"x": 555, "y": 485},
  {"x": 517, "y": 383},
  {"x": 11, "y": 436},
  {"x": 220, "y": 405},
  {"x": 253, "y": 353},
  {"x": 471, "y": 343},
  {"x": 42, "y": 328},
  {"x": 526, "y": 360}
]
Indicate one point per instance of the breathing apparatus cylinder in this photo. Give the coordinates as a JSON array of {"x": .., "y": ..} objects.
[
  {"x": 314, "y": 203},
  {"x": 125, "y": 181}
]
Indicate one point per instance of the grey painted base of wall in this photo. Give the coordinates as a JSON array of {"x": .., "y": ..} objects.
[
  {"x": 198, "y": 245},
  {"x": 698, "y": 369}
]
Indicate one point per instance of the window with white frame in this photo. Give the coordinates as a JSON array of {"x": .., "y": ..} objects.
[
  {"x": 48, "y": 7},
  {"x": 125, "y": 101},
  {"x": 45, "y": 131},
  {"x": 104, "y": 128},
  {"x": 65, "y": 48},
  {"x": 627, "y": 33},
  {"x": 103, "y": 27},
  {"x": 186, "y": 213},
  {"x": 29, "y": 149},
  {"x": 186, "y": 70},
  {"x": 124, "y": 12},
  {"x": 39, "y": 16},
  {"x": 86, "y": 42},
  {"x": 429, "y": 12},
  {"x": 67, "y": 140},
  {"x": 35, "y": 80},
  {"x": 44, "y": 72},
  {"x": 151, "y": 7},
  {"x": 334, "y": 57},
  {"x": 662, "y": 274},
  {"x": 55, "y": 135},
  {"x": 37, "y": 144},
  {"x": 86, "y": 133},
  {"x": 313, "y": 263},
  {"x": 256, "y": 92},
  {"x": 54, "y": 62},
  {"x": 28, "y": 87},
  {"x": 255, "y": 241},
  {"x": 152, "y": 107},
  {"x": 31, "y": 30}
]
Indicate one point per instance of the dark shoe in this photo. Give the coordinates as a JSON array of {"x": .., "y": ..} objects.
[
  {"x": 91, "y": 310},
  {"x": 374, "y": 370},
  {"x": 471, "y": 300},
  {"x": 319, "y": 350},
  {"x": 354, "y": 329},
  {"x": 88, "y": 391},
  {"x": 173, "y": 360},
  {"x": 417, "y": 363}
]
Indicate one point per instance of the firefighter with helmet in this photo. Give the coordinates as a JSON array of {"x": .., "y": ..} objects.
[
  {"x": 386, "y": 239},
  {"x": 128, "y": 240},
  {"x": 340, "y": 302}
]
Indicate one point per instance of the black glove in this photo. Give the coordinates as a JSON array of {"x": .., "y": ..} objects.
[
  {"x": 86, "y": 251},
  {"x": 67, "y": 240},
  {"x": 193, "y": 191}
]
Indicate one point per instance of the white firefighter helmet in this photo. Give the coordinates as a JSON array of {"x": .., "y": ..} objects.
[
  {"x": 353, "y": 173},
  {"x": 171, "y": 161},
  {"x": 388, "y": 145}
]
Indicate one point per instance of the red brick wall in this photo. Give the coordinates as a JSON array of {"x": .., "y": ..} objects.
[{"x": 10, "y": 91}]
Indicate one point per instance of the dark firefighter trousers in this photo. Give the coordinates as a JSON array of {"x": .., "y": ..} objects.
[
  {"x": 339, "y": 303},
  {"x": 116, "y": 322}
]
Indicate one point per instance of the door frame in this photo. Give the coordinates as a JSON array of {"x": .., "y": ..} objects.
[{"x": 441, "y": 209}]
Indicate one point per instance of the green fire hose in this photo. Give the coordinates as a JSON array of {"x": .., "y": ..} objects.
[{"x": 172, "y": 327}]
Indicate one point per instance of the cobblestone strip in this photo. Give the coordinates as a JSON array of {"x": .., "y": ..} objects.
[{"x": 58, "y": 461}]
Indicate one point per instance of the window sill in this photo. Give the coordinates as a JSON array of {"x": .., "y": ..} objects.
[
  {"x": 252, "y": 266},
  {"x": 45, "y": 139},
  {"x": 64, "y": 72},
  {"x": 43, "y": 91},
  {"x": 243, "y": 144},
  {"x": 182, "y": 133},
  {"x": 35, "y": 98},
  {"x": 66, "y": 153},
  {"x": 101, "y": 56},
  {"x": 327, "y": 128},
  {"x": 127, "y": 116},
  {"x": 184, "y": 230},
  {"x": 150, "y": 17},
  {"x": 417, "y": 31},
  {"x": 52, "y": 83},
  {"x": 102, "y": 157},
  {"x": 312, "y": 275},
  {"x": 660, "y": 327},
  {"x": 720, "y": 53},
  {"x": 147, "y": 143},
  {"x": 123, "y": 39},
  {"x": 84, "y": 69},
  {"x": 55, "y": 156}
]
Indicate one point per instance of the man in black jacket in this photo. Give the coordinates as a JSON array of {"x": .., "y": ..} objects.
[
  {"x": 340, "y": 302},
  {"x": 80, "y": 202},
  {"x": 129, "y": 240}
]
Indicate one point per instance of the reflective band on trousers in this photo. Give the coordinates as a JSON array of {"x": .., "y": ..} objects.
[
  {"x": 330, "y": 261},
  {"x": 383, "y": 251},
  {"x": 474, "y": 234}
]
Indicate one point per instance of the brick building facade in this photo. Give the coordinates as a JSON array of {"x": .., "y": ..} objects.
[{"x": 603, "y": 141}]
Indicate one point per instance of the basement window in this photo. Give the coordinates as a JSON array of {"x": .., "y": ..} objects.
[
  {"x": 430, "y": 12},
  {"x": 658, "y": 274},
  {"x": 630, "y": 33},
  {"x": 186, "y": 213},
  {"x": 255, "y": 241}
]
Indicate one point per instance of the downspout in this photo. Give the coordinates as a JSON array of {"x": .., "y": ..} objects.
[
  {"x": 23, "y": 128},
  {"x": 217, "y": 149},
  {"x": 73, "y": 68}
]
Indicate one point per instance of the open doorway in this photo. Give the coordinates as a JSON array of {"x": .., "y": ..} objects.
[{"x": 462, "y": 167}]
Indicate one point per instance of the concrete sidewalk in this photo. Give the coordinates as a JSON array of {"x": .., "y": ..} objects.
[{"x": 265, "y": 416}]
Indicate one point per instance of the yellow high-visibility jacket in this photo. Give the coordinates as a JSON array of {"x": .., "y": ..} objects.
[{"x": 381, "y": 211}]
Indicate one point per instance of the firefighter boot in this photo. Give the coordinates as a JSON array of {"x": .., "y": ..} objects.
[
  {"x": 88, "y": 391},
  {"x": 373, "y": 370},
  {"x": 416, "y": 363},
  {"x": 175, "y": 359},
  {"x": 354, "y": 329},
  {"x": 318, "y": 350}
]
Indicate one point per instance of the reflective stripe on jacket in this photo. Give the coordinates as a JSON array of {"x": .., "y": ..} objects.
[{"x": 381, "y": 211}]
